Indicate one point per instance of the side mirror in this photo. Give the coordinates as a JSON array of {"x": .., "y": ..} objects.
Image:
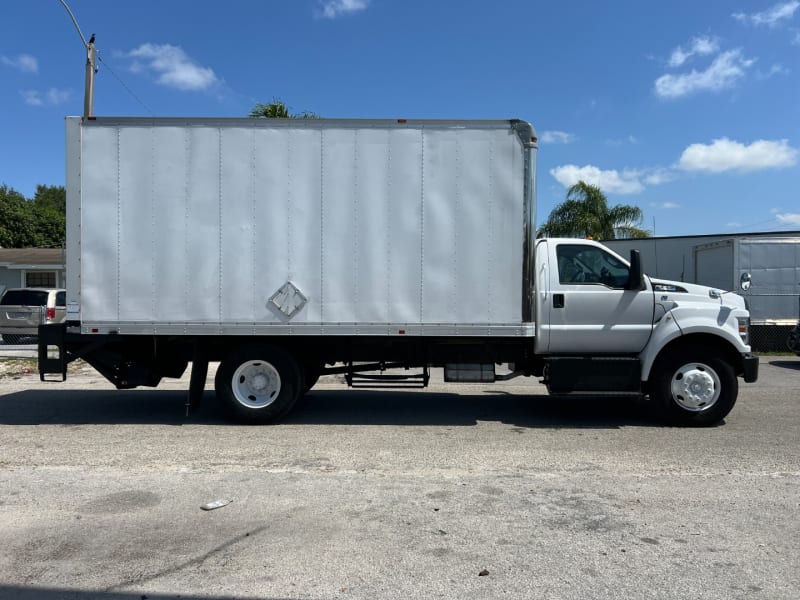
[
  {"x": 745, "y": 281},
  {"x": 635, "y": 277}
]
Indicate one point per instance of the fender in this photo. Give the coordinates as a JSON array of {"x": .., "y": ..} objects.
[{"x": 716, "y": 320}]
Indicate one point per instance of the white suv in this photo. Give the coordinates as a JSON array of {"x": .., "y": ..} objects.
[{"x": 22, "y": 310}]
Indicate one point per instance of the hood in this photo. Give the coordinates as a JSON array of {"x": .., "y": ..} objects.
[{"x": 678, "y": 292}]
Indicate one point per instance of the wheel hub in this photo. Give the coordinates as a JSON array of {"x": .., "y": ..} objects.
[
  {"x": 256, "y": 384},
  {"x": 259, "y": 383},
  {"x": 695, "y": 387}
]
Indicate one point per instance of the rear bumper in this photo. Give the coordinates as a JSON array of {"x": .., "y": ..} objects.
[{"x": 750, "y": 368}]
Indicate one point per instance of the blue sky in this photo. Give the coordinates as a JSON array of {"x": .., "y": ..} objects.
[{"x": 689, "y": 110}]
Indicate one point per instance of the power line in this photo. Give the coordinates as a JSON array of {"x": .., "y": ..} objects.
[{"x": 123, "y": 84}]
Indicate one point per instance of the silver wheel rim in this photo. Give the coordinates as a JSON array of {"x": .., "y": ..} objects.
[
  {"x": 695, "y": 387},
  {"x": 256, "y": 384}
]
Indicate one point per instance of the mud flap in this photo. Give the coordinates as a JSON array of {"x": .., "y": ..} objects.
[
  {"x": 197, "y": 380},
  {"x": 52, "y": 360}
]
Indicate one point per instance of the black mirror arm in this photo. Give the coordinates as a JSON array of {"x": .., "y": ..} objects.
[{"x": 635, "y": 278}]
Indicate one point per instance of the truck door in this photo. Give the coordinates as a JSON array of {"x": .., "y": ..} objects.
[{"x": 590, "y": 311}]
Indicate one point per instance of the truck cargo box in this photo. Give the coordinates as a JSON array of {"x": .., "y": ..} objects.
[
  {"x": 773, "y": 265},
  {"x": 299, "y": 227}
]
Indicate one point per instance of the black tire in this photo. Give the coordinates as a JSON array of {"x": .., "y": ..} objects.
[
  {"x": 257, "y": 385},
  {"x": 694, "y": 387},
  {"x": 11, "y": 338}
]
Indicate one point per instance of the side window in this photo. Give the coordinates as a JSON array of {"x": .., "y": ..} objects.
[
  {"x": 61, "y": 298},
  {"x": 588, "y": 264}
]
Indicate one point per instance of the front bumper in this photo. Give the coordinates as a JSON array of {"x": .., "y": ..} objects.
[{"x": 750, "y": 368}]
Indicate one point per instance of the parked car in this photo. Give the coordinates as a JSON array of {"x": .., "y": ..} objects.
[{"x": 22, "y": 310}]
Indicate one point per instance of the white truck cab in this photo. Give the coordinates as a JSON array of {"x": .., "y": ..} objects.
[{"x": 600, "y": 319}]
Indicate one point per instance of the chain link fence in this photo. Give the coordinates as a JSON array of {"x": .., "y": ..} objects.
[{"x": 769, "y": 338}]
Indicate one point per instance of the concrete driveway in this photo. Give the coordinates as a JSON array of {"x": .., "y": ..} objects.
[{"x": 479, "y": 491}]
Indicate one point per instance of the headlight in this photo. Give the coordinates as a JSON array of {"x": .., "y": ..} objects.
[{"x": 744, "y": 329}]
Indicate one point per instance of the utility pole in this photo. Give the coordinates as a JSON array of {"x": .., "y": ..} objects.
[
  {"x": 91, "y": 68},
  {"x": 88, "y": 95}
]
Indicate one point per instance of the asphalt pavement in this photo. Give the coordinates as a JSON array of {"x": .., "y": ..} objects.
[{"x": 458, "y": 491}]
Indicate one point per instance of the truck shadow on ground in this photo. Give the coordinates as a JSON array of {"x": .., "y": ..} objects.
[
  {"x": 34, "y": 593},
  {"x": 330, "y": 407},
  {"x": 786, "y": 364}
]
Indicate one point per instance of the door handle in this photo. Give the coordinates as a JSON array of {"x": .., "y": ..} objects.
[{"x": 558, "y": 300}]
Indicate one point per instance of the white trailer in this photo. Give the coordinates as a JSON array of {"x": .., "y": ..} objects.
[
  {"x": 771, "y": 265},
  {"x": 290, "y": 248}
]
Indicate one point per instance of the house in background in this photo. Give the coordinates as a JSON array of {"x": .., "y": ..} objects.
[{"x": 31, "y": 267}]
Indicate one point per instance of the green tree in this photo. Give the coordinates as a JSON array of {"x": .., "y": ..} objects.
[
  {"x": 32, "y": 223},
  {"x": 49, "y": 215},
  {"x": 16, "y": 219},
  {"x": 277, "y": 109},
  {"x": 585, "y": 213},
  {"x": 51, "y": 197}
]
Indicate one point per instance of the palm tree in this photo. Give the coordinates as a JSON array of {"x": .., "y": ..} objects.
[
  {"x": 277, "y": 109},
  {"x": 585, "y": 213}
]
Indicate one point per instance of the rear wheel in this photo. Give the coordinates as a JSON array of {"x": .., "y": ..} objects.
[
  {"x": 694, "y": 388},
  {"x": 258, "y": 384}
]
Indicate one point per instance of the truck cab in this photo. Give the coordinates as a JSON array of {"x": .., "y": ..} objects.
[{"x": 603, "y": 325}]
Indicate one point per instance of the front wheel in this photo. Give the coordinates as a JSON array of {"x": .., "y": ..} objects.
[
  {"x": 694, "y": 388},
  {"x": 258, "y": 384}
]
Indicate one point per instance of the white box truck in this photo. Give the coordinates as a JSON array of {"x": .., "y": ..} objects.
[
  {"x": 771, "y": 265},
  {"x": 286, "y": 249}
]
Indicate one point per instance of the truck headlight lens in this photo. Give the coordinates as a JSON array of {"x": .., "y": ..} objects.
[{"x": 744, "y": 329}]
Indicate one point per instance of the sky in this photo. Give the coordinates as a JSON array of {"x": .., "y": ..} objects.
[{"x": 689, "y": 110}]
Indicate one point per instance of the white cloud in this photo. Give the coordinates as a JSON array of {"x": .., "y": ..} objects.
[
  {"x": 796, "y": 39},
  {"x": 788, "y": 218},
  {"x": 172, "y": 67},
  {"x": 22, "y": 62},
  {"x": 724, "y": 72},
  {"x": 330, "y": 9},
  {"x": 728, "y": 155},
  {"x": 659, "y": 176},
  {"x": 557, "y": 137},
  {"x": 667, "y": 205},
  {"x": 613, "y": 181},
  {"x": 771, "y": 17},
  {"x": 700, "y": 46},
  {"x": 52, "y": 97},
  {"x": 776, "y": 69},
  {"x": 616, "y": 142},
  {"x": 32, "y": 97}
]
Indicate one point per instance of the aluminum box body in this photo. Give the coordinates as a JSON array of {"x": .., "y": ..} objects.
[
  {"x": 773, "y": 264},
  {"x": 309, "y": 227}
]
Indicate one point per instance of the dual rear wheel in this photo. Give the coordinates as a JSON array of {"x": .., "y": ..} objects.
[{"x": 258, "y": 384}]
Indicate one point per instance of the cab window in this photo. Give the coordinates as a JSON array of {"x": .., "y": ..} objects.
[{"x": 588, "y": 264}]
